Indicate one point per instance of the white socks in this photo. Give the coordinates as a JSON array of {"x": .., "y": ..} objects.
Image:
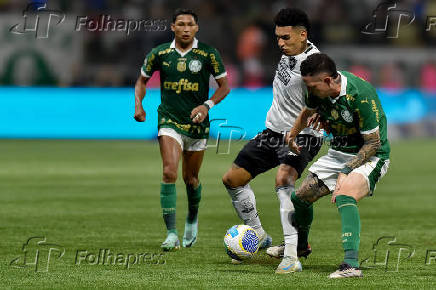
[
  {"x": 286, "y": 211},
  {"x": 244, "y": 202}
]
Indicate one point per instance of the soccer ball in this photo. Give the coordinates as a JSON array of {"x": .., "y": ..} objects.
[{"x": 241, "y": 242}]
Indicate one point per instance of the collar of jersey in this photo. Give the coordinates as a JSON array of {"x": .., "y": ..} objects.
[
  {"x": 302, "y": 56},
  {"x": 194, "y": 45},
  {"x": 343, "y": 89}
]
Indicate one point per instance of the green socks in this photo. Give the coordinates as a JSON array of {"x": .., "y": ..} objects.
[
  {"x": 194, "y": 197},
  {"x": 303, "y": 218},
  {"x": 168, "y": 199},
  {"x": 347, "y": 207},
  {"x": 168, "y": 203}
]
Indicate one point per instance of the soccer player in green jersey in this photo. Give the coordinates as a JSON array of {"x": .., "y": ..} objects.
[
  {"x": 350, "y": 109},
  {"x": 185, "y": 67}
]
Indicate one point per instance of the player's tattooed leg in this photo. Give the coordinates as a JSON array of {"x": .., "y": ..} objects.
[{"x": 312, "y": 189}]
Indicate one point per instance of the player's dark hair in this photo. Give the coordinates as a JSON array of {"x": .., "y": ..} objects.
[
  {"x": 318, "y": 63},
  {"x": 183, "y": 11},
  {"x": 292, "y": 17}
]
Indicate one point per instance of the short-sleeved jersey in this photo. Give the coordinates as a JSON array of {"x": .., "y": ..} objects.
[
  {"x": 356, "y": 111},
  {"x": 184, "y": 80},
  {"x": 288, "y": 93}
]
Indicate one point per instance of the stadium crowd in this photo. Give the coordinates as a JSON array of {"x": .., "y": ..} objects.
[{"x": 245, "y": 36}]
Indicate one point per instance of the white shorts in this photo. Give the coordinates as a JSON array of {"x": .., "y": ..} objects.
[
  {"x": 328, "y": 167},
  {"x": 187, "y": 143}
]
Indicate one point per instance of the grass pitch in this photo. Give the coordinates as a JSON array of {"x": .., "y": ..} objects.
[{"x": 95, "y": 198}]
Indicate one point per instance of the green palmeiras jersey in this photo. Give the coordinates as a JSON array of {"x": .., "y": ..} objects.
[
  {"x": 184, "y": 80},
  {"x": 356, "y": 111}
]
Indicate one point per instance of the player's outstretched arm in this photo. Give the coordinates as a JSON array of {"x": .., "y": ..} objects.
[
  {"x": 140, "y": 89},
  {"x": 200, "y": 113},
  {"x": 299, "y": 125}
]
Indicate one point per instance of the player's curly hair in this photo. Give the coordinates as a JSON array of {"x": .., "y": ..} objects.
[
  {"x": 292, "y": 17},
  {"x": 183, "y": 11},
  {"x": 318, "y": 63}
]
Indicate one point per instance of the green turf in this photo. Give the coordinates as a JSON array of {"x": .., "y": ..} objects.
[{"x": 91, "y": 195}]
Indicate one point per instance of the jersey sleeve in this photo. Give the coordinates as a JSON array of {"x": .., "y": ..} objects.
[
  {"x": 151, "y": 64},
  {"x": 217, "y": 68},
  {"x": 369, "y": 114}
]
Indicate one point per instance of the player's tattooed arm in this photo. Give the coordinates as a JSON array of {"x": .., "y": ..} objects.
[{"x": 371, "y": 143}]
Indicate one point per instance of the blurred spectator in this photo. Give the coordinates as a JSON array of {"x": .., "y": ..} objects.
[
  {"x": 108, "y": 76},
  {"x": 154, "y": 81},
  {"x": 250, "y": 46},
  {"x": 361, "y": 70},
  {"x": 27, "y": 68},
  {"x": 428, "y": 76},
  {"x": 37, "y": 4},
  {"x": 391, "y": 76},
  {"x": 243, "y": 33},
  {"x": 232, "y": 75}
]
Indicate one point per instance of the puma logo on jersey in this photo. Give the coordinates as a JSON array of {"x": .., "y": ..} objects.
[{"x": 166, "y": 63}]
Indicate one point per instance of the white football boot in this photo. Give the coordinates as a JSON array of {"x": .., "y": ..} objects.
[
  {"x": 346, "y": 271},
  {"x": 289, "y": 265}
]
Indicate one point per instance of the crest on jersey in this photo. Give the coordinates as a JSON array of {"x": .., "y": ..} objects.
[
  {"x": 347, "y": 116},
  {"x": 335, "y": 114},
  {"x": 195, "y": 65},
  {"x": 292, "y": 62},
  {"x": 181, "y": 65}
]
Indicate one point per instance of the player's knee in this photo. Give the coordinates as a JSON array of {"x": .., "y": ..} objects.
[
  {"x": 304, "y": 195},
  {"x": 191, "y": 181},
  {"x": 230, "y": 180},
  {"x": 227, "y": 179},
  {"x": 286, "y": 176},
  {"x": 286, "y": 179},
  {"x": 352, "y": 194},
  {"x": 169, "y": 174},
  {"x": 283, "y": 180}
]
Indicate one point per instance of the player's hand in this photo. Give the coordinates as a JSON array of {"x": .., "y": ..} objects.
[
  {"x": 317, "y": 123},
  {"x": 139, "y": 114},
  {"x": 293, "y": 146},
  {"x": 314, "y": 121},
  {"x": 199, "y": 114},
  {"x": 339, "y": 181}
]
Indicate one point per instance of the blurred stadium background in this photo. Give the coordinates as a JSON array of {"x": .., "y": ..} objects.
[{"x": 80, "y": 84}]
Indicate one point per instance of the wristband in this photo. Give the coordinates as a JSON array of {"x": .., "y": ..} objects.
[
  {"x": 209, "y": 104},
  {"x": 346, "y": 170}
]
